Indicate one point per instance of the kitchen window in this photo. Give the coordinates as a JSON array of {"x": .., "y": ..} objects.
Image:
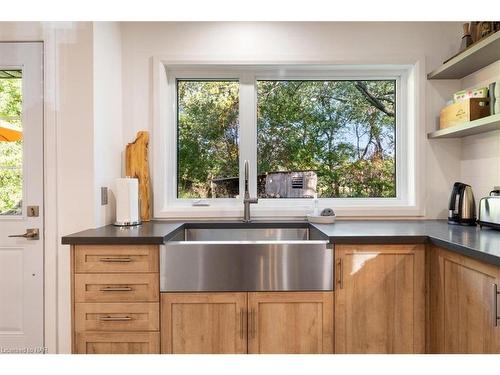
[
  {"x": 340, "y": 134},
  {"x": 207, "y": 139}
]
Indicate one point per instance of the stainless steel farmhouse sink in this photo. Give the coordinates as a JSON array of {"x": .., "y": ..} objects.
[{"x": 249, "y": 258}]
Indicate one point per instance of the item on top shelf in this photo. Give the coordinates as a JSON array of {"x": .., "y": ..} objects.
[
  {"x": 481, "y": 92},
  {"x": 462, "y": 208},
  {"x": 489, "y": 210},
  {"x": 467, "y": 38},
  {"x": 463, "y": 111},
  {"x": 485, "y": 28}
]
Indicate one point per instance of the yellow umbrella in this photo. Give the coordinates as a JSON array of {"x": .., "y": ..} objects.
[{"x": 8, "y": 133}]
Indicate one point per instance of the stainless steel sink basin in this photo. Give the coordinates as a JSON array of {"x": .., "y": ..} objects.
[
  {"x": 246, "y": 259},
  {"x": 248, "y": 234}
]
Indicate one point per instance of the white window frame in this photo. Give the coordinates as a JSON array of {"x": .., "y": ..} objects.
[{"x": 166, "y": 203}]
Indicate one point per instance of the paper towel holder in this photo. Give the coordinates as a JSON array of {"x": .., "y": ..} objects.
[
  {"x": 130, "y": 223},
  {"x": 127, "y": 223}
]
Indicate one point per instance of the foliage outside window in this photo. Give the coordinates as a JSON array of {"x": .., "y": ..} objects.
[
  {"x": 207, "y": 132},
  {"x": 333, "y": 138},
  {"x": 341, "y": 132},
  {"x": 11, "y": 153}
]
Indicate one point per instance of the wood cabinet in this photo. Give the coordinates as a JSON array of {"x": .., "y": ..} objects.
[
  {"x": 463, "y": 304},
  {"x": 116, "y": 258},
  {"x": 204, "y": 323},
  {"x": 278, "y": 322},
  {"x": 116, "y": 287},
  {"x": 380, "y": 299},
  {"x": 117, "y": 343},
  {"x": 380, "y": 305},
  {"x": 290, "y": 322},
  {"x": 115, "y": 299}
]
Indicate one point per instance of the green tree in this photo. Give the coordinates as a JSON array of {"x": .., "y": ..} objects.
[
  {"x": 208, "y": 128},
  {"x": 343, "y": 130},
  {"x": 10, "y": 152}
]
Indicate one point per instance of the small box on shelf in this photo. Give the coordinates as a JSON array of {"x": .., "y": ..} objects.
[{"x": 464, "y": 111}]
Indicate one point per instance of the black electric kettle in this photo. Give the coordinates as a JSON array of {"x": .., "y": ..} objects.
[{"x": 462, "y": 208}]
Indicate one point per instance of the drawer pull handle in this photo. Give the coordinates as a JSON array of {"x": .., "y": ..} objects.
[
  {"x": 115, "y": 318},
  {"x": 116, "y": 289},
  {"x": 116, "y": 259},
  {"x": 496, "y": 317}
]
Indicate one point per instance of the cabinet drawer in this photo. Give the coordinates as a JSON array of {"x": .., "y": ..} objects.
[
  {"x": 118, "y": 343},
  {"x": 113, "y": 258},
  {"x": 117, "y": 317},
  {"x": 117, "y": 287}
]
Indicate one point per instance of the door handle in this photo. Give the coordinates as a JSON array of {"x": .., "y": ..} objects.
[
  {"x": 496, "y": 317},
  {"x": 340, "y": 268},
  {"x": 31, "y": 234},
  {"x": 253, "y": 329},
  {"x": 242, "y": 316}
]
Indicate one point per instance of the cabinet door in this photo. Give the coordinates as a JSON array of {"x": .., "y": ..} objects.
[
  {"x": 380, "y": 299},
  {"x": 201, "y": 323},
  {"x": 463, "y": 305},
  {"x": 118, "y": 343},
  {"x": 290, "y": 322}
]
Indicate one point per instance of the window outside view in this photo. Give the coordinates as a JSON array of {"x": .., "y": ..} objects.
[
  {"x": 207, "y": 133},
  {"x": 11, "y": 145},
  {"x": 333, "y": 138}
]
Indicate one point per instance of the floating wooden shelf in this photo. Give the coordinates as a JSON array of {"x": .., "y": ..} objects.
[
  {"x": 482, "y": 125},
  {"x": 477, "y": 56}
]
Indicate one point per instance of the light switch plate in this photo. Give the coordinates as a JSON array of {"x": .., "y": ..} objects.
[{"x": 104, "y": 195}]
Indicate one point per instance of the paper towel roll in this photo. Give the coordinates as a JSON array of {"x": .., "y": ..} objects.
[{"x": 127, "y": 201}]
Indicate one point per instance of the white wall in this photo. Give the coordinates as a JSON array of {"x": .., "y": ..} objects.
[
  {"x": 480, "y": 154},
  {"x": 288, "y": 42},
  {"x": 108, "y": 137}
]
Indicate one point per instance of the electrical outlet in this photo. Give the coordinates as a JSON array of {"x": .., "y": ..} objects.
[{"x": 104, "y": 195}]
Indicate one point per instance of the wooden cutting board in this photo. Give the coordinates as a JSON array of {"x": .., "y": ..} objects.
[{"x": 137, "y": 166}]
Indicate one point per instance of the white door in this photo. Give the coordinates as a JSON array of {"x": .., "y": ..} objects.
[{"x": 21, "y": 195}]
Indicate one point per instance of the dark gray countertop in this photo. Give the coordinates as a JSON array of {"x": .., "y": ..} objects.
[{"x": 482, "y": 244}]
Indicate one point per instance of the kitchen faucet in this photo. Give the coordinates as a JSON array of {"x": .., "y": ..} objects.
[{"x": 246, "y": 199}]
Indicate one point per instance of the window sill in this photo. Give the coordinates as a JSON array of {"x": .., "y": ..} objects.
[{"x": 284, "y": 212}]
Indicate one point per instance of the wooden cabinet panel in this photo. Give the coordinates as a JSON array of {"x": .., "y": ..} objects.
[
  {"x": 380, "y": 299},
  {"x": 203, "y": 323},
  {"x": 116, "y": 258},
  {"x": 463, "y": 304},
  {"x": 118, "y": 343},
  {"x": 290, "y": 322},
  {"x": 117, "y": 317},
  {"x": 117, "y": 287}
]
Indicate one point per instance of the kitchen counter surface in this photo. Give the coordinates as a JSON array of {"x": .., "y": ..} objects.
[{"x": 482, "y": 244}]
